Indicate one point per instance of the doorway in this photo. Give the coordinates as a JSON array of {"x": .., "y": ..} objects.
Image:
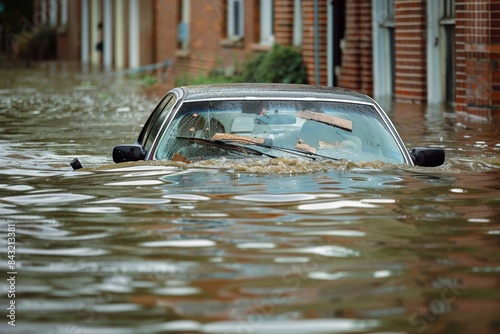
[
  {"x": 337, "y": 32},
  {"x": 441, "y": 52}
]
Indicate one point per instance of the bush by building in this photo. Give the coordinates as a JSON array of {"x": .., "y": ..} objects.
[{"x": 282, "y": 64}]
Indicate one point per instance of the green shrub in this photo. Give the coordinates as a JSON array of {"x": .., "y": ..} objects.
[
  {"x": 283, "y": 64},
  {"x": 250, "y": 70},
  {"x": 149, "y": 80}
]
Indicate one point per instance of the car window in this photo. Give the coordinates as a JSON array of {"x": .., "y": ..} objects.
[
  {"x": 155, "y": 121},
  {"x": 340, "y": 130}
]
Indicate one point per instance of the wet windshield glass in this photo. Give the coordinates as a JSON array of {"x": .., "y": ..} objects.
[{"x": 337, "y": 130}]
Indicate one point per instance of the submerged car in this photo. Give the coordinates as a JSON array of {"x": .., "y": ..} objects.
[{"x": 194, "y": 123}]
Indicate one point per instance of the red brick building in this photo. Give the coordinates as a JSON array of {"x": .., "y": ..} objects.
[{"x": 418, "y": 51}]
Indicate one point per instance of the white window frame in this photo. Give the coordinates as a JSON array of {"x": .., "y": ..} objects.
[
  {"x": 108, "y": 35},
  {"x": 235, "y": 19},
  {"x": 53, "y": 13},
  {"x": 134, "y": 34},
  {"x": 436, "y": 52},
  {"x": 64, "y": 13},
  {"x": 381, "y": 18},
  {"x": 43, "y": 12},
  {"x": 85, "y": 50},
  {"x": 435, "y": 87},
  {"x": 297, "y": 23},
  {"x": 266, "y": 22},
  {"x": 183, "y": 27}
]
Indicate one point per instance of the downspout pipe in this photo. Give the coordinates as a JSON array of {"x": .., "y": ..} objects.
[
  {"x": 85, "y": 50},
  {"x": 108, "y": 36},
  {"x": 316, "y": 42}
]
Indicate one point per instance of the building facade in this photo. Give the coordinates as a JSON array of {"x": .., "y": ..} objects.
[{"x": 418, "y": 51}]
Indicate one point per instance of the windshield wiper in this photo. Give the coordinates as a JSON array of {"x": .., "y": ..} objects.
[
  {"x": 295, "y": 151},
  {"x": 266, "y": 143},
  {"x": 225, "y": 145}
]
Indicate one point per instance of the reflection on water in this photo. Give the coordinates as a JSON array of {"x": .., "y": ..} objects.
[{"x": 254, "y": 246}]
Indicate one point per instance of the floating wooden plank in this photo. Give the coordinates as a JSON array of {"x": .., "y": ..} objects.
[
  {"x": 238, "y": 138},
  {"x": 327, "y": 119}
]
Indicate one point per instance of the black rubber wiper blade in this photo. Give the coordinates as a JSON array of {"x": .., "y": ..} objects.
[
  {"x": 225, "y": 145},
  {"x": 295, "y": 151},
  {"x": 267, "y": 143}
]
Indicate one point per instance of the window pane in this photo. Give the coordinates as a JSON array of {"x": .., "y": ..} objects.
[
  {"x": 390, "y": 10},
  {"x": 266, "y": 22},
  {"x": 449, "y": 9},
  {"x": 236, "y": 14},
  {"x": 235, "y": 18}
]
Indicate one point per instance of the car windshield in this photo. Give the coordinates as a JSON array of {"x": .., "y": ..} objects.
[{"x": 277, "y": 128}]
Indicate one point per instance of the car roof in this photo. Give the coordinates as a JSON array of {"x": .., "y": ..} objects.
[{"x": 270, "y": 91}]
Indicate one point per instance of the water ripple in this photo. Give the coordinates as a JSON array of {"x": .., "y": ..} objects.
[
  {"x": 335, "y": 205},
  {"x": 289, "y": 326},
  {"x": 265, "y": 198},
  {"x": 180, "y": 243},
  {"x": 320, "y": 275},
  {"x": 78, "y": 251},
  {"x": 256, "y": 245},
  {"x": 46, "y": 199},
  {"x": 337, "y": 233},
  {"x": 329, "y": 251},
  {"x": 133, "y": 200},
  {"x": 135, "y": 183},
  {"x": 177, "y": 291},
  {"x": 187, "y": 197},
  {"x": 41, "y": 231},
  {"x": 67, "y": 237},
  {"x": 99, "y": 209}
]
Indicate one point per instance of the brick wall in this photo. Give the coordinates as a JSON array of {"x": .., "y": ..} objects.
[
  {"x": 366, "y": 47},
  {"x": 350, "y": 76},
  {"x": 495, "y": 55},
  {"x": 410, "y": 50},
  {"x": 69, "y": 39},
  {"x": 165, "y": 17},
  {"x": 477, "y": 57},
  {"x": 205, "y": 37},
  {"x": 207, "y": 30},
  {"x": 357, "y": 62},
  {"x": 146, "y": 32},
  {"x": 283, "y": 22}
]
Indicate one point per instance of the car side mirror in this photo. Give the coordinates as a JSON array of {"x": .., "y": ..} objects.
[
  {"x": 427, "y": 156},
  {"x": 122, "y": 153}
]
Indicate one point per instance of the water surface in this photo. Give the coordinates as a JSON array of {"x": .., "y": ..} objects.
[{"x": 254, "y": 246}]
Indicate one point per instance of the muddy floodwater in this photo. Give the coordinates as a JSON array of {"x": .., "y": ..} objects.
[{"x": 254, "y": 246}]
